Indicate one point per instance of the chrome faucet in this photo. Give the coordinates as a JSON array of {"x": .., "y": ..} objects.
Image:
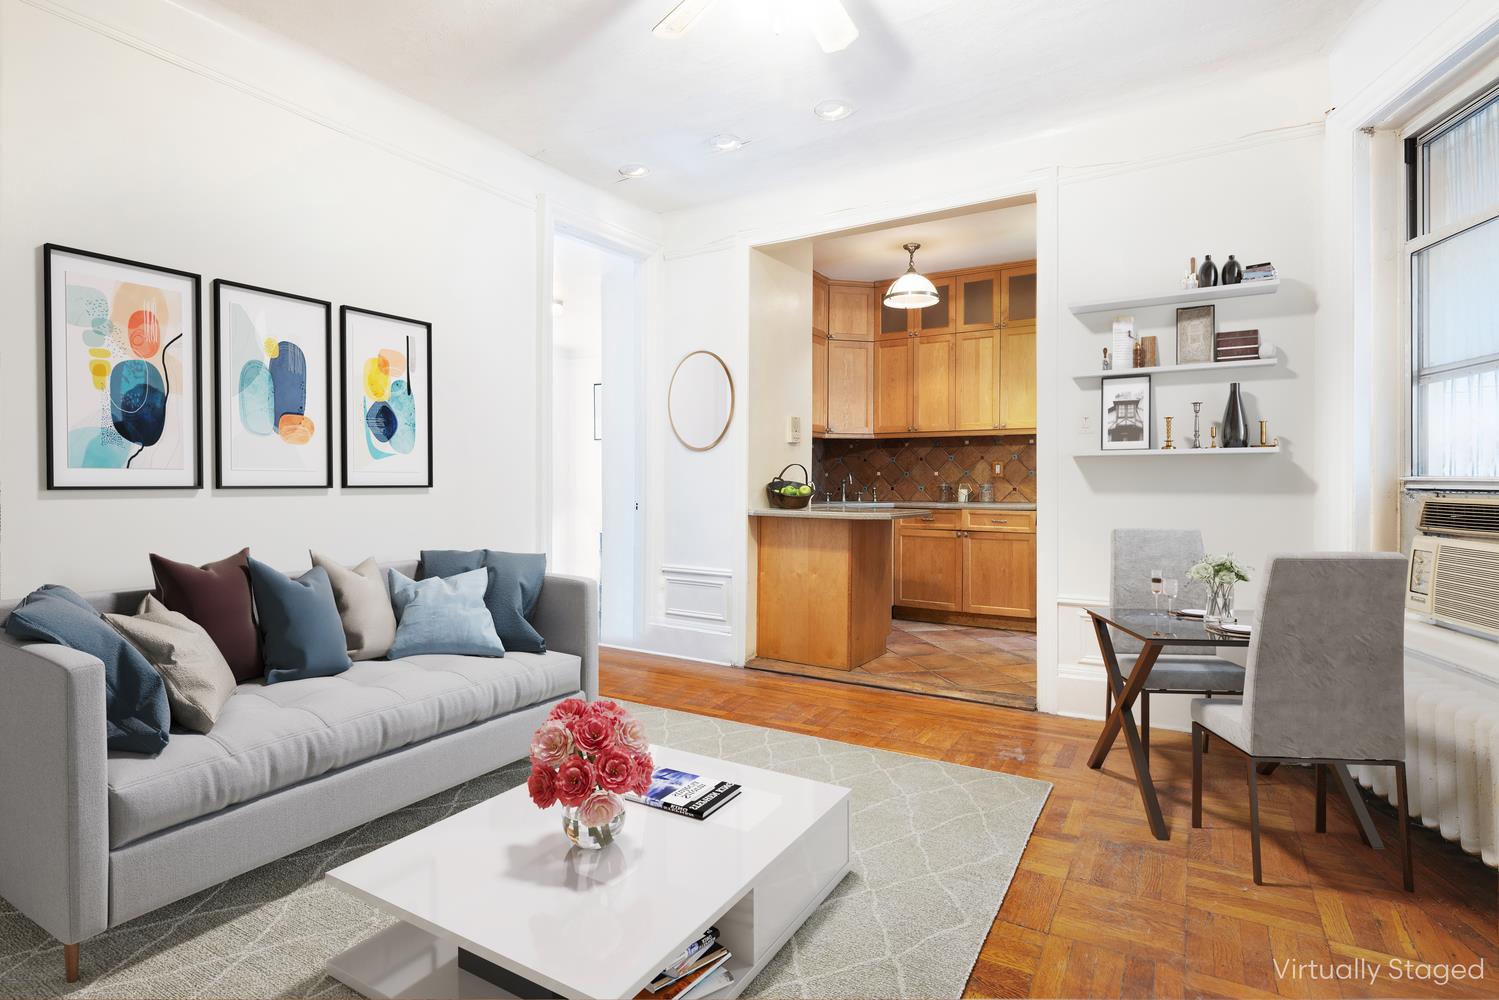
[{"x": 843, "y": 488}]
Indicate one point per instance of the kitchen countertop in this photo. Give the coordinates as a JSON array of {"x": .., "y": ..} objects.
[
  {"x": 842, "y": 512},
  {"x": 954, "y": 505}
]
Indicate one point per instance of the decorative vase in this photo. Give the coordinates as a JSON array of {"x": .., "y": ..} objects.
[
  {"x": 1235, "y": 423},
  {"x": 1233, "y": 271},
  {"x": 1207, "y": 274},
  {"x": 593, "y": 838},
  {"x": 1220, "y": 603}
]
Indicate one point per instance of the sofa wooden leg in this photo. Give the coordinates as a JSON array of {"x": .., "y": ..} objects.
[{"x": 70, "y": 961}]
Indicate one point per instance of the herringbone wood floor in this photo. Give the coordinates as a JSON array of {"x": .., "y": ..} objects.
[{"x": 1101, "y": 909}]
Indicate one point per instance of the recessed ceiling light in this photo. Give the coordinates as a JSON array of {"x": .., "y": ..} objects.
[
  {"x": 832, "y": 110},
  {"x": 726, "y": 142},
  {"x": 634, "y": 170}
]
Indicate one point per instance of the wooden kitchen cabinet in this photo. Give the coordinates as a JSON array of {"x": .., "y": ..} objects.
[
  {"x": 976, "y": 380},
  {"x": 936, "y": 318},
  {"x": 999, "y": 573},
  {"x": 850, "y": 387},
  {"x": 892, "y": 386},
  {"x": 929, "y": 568},
  {"x": 819, "y": 382},
  {"x": 978, "y": 299},
  {"x": 819, "y": 304},
  {"x": 850, "y": 311},
  {"x": 1017, "y": 295},
  {"x": 895, "y": 324},
  {"x": 1017, "y": 377},
  {"x": 932, "y": 383}
]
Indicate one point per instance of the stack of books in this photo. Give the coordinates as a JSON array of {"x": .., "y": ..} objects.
[
  {"x": 686, "y": 794},
  {"x": 697, "y": 972},
  {"x": 1259, "y": 272},
  {"x": 1236, "y": 345}
]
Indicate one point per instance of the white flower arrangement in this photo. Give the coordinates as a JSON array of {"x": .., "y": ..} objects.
[{"x": 1219, "y": 571}]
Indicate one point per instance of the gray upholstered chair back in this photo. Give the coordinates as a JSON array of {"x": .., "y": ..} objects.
[
  {"x": 1134, "y": 553},
  {"x": 1326, "y": 669}
]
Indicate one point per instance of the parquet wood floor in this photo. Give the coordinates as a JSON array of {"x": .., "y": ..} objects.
[{"x": 1098, "y": 907}]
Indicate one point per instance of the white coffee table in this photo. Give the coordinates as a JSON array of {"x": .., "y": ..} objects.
[{"x": 501, "y": 883}]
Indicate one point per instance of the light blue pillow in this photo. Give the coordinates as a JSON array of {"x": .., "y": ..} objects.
[{"x": 443, "y": 615}]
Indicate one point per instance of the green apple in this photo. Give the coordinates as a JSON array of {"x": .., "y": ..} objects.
[{"x": 804, "y": 490}]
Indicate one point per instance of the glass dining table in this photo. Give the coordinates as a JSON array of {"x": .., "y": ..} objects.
[{"x": 1158, "y": 632}]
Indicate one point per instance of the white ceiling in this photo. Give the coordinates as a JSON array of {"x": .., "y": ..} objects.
[
  {"x": 584, "y": 85},
  {"x": 970, "y": 239}
]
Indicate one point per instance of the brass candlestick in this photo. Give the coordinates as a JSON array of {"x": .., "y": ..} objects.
[
  {"x": 1168, "y": 446},
  {"x": 1213, "y": 436},
  {"x": 1265, "y": 441}
]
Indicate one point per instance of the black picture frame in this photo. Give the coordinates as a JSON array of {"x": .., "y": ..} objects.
[
  {"x": 49, "y": 363},
  {"x": 1145, "y": 411},
  {"x": 219, "y": 403},
  {"x": 346, "y": 421}
]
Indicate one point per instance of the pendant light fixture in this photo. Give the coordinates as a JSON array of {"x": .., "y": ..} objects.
[{"x": 911, "y": 290}]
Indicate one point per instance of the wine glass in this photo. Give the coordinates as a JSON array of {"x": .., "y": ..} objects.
[
  {"x": 1155, "y": 591},
  {"x": 1170, "y": 588}
]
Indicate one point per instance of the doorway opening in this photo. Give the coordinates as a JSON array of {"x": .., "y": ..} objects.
[
  {"x": 933, "y": 409},
  {"x": 594, "y": 522}
]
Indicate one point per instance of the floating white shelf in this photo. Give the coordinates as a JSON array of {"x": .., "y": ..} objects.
[
  {"x": 1182, "y": 452},
  {"x": 1206, "y": 366},
  {"x": 1182, "y": 296}
]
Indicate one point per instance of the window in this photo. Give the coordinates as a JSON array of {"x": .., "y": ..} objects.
[{"x": 1454, "y": 293}]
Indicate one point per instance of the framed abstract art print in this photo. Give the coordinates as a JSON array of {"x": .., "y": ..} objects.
[
  {"x": 273, "y": 379},
  {"x": 123, "y": 373},
  {"x": 386, "y": 374}
]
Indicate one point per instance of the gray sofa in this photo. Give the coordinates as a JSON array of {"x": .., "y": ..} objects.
[{"x": 91, "y": 838}]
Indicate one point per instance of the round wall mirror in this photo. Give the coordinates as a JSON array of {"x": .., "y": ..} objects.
[{"x": 700, "y": 401}]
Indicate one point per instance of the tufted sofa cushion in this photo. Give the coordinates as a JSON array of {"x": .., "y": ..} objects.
[{"x": 270, "y": 737}]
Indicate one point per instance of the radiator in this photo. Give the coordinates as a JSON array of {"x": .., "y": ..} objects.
[{"x": 1451, "y": 758}]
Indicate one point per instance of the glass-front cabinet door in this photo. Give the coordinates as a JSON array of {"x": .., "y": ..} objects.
[
  {"x": 978, "y": 301},
  {"x": 1017, "y": 294}
]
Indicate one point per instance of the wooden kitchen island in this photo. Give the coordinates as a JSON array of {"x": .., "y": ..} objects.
[{"x": 823, "y": 585}]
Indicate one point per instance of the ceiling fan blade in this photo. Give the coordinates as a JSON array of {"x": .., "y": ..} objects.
[
  {"x": 831, "y": 25},
  {"x": 680, "y": 19}
]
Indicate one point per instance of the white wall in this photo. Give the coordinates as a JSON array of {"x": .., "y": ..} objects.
[
  {"x": 1121, "y": 203},
  {"x": 140, "y": 129}
]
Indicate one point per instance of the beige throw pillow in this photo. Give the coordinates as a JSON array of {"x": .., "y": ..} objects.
[
  {"x": 364, "y": 605},
  {"x": 198, "y": 679}
]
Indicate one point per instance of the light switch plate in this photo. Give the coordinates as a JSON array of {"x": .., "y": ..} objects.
[
  {"x": 1086, "y": 427},
  {"x": 793, "y": 429}
]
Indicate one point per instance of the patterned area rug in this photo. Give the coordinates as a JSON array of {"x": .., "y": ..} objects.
[{"x": 935, "y": 847}]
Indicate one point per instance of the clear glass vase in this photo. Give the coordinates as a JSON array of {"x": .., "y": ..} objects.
[
  {"x": 593, "y": 838},
  {"x": 1220, "y": 603}
]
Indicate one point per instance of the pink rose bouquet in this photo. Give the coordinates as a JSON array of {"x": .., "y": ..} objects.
[{"x": 585, "y": 755}]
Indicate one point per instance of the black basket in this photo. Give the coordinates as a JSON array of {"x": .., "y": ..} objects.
[{"x": 784, "y": 502}]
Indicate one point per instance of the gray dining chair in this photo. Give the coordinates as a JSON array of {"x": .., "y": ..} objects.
[
  {"x": 1190, "y": 669},
  {"x": 1324, "y": 684}
]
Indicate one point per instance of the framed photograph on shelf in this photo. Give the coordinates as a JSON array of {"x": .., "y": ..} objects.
[
  {"x": 123, "y": 373},
  {"x": 1194, "y": 334},
  {"x": 386, "y": 377},
  {"x": 273, "y": 379},
  {"x": 1125, "y": 417}
]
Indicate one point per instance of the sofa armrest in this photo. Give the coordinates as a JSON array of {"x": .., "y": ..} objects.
[
  {"x": 54, "y": 806},
  {"x": 567, "y": 616}
]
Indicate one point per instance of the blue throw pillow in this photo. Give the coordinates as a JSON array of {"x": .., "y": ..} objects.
[
  {"x": 301, "y": 633},
  {"x": 137, "y": 718},
  {"x": 515, "y": 580},
  {"x": 443, "y": 616}
]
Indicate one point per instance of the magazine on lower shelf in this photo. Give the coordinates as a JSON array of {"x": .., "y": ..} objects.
[
  {"x": 686, "y": 985},
  {"x": 686, "y": 794}
]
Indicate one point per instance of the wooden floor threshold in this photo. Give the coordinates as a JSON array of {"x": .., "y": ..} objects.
[{"x": 1024, "y": 702}]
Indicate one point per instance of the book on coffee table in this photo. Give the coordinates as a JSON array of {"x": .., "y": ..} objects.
[
  {"x": 680, "y": 986},
  {"x": 685, "y": 793}
]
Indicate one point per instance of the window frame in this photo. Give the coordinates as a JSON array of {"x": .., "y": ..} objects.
[{"x": 1419, "y": 239}]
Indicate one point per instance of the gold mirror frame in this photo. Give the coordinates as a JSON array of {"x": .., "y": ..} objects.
[{"x": 728, "y": 419}]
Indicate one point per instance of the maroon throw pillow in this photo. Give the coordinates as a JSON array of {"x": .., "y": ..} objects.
[{"x": 217, "y": 597}]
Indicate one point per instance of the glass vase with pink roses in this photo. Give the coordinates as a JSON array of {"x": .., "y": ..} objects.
[{"x": 584, "y": 756}]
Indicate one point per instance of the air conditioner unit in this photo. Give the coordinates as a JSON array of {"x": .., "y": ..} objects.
[{"x": 1454, "y": 564}]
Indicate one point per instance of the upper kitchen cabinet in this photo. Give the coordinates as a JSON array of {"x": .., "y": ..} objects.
[
  {"x": 1017, "y": 378},
  {"x": 819, "y": 382},
  {"x": 850, "y": 387},
  {"x": 915, "y": 322},
  {"x": 1017, "y": 295},
  {"x": 894, "y": 323},
  {"x": 892, "y": 386},
  {"x": 819, "y": 304},
  {"x": 932, "y": 383},
  {"x": 978, "y": 300},
  {"x": 976, "y": 380},
  {"x": 850, "y": 311}
]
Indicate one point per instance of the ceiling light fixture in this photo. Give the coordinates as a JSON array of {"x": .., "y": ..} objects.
[
  {"x": 911, "y": 290},
  {"x": 832, "y": 110},
  {"x": 633, "y": 170},
  {"x": 726, "y": 142}
]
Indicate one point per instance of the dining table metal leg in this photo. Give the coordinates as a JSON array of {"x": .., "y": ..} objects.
[
  {"x": 1365, "y": 823},
  {"x": 1121, "y": 718}
]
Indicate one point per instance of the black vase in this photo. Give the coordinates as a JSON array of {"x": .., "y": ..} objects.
[
  {"x": 1233, "y": 271},
  {"x": 1235, "y": 423},
  {"x": 1207, "y": 274}
]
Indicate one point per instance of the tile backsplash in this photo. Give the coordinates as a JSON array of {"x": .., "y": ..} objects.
[{"x": 916, "y": 468}]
